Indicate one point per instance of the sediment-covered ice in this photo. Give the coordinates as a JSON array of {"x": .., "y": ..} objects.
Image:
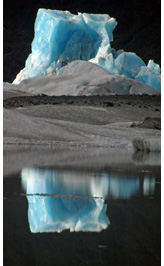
[
  {"x": 62, "y": 37},
  {"x": 81, "y": 78}
]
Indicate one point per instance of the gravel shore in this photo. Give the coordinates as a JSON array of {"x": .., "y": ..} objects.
[
  {"x": 74, "y": 131},
  {"x": 141, "y": 101}
]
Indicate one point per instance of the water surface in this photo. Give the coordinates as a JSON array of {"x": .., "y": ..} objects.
[{"x": 76, "y": 217}]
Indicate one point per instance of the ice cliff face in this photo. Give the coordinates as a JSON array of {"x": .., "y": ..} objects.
[{"x": 61, "y": 37}]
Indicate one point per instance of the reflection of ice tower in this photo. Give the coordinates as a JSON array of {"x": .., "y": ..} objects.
[
  {"x": 48, "y": 214},
  {"x": 74, "y": 200},
  {"x": 65, "y": 203}
]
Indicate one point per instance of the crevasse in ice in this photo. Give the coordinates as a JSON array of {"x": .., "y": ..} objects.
[{"x": 62, "y": 37}]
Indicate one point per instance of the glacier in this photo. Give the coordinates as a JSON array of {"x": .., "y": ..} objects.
[
  {"x": 75, "y": 200},
  {"x": 61, "y": 38}
]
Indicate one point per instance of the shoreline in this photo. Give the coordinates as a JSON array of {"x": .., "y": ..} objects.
[
  {"x": 79, "y": 131},
  {"x": 110, "y": 121}
]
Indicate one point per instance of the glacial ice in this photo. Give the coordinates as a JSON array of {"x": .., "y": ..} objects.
[
  {"x": 120, "y": 62},
  {"x": 62, "y": 37},
  {"x": 150, "y": 75},
  {"x": 63, "y": 199}
]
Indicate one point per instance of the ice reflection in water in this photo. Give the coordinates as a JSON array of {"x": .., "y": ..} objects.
[{"x": 74, "y": 200}]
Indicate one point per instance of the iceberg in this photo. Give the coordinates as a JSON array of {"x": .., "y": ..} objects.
[{"x": 61, "y": 38}]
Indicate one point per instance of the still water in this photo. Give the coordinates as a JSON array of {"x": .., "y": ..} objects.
[{"x": 82, "y": 217}]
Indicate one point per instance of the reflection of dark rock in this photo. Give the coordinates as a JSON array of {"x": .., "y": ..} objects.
[
  {"x": 140, "y": 156},
  {"x": 149, "y": 122},
  {"x": 141, "y": 145}
]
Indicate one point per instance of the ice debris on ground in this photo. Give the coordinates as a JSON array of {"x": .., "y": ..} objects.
[{"x": 62, "y": 37}]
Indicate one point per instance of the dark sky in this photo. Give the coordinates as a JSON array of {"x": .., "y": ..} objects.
[{"x": 138, "y": 29}]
